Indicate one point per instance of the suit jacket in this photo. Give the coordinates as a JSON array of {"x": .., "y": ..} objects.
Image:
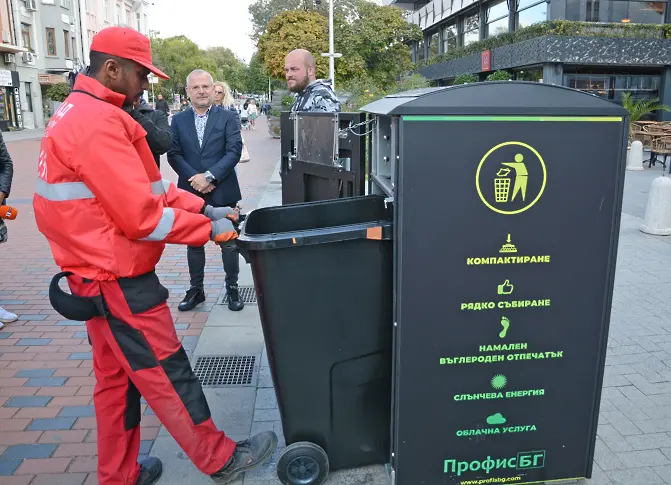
[{"x": 220, "y": 153}]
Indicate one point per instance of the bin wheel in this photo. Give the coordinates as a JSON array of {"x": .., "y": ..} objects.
[{"x": 303, "y": 463}]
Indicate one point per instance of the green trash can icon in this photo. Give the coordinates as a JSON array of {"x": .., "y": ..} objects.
[{"x": 502, "y": 185}]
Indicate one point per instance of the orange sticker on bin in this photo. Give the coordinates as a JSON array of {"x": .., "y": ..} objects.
[{"x": 374, "y": 233}]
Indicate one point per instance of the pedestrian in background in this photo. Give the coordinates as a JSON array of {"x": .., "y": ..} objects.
[
  {"x": 206, "y": 147},
  {"x": 162, "y": 105},
  {"x": 223, "y": 96},
  {"x": 253, "y": 113},
  {"x": 6, "y": 176}
]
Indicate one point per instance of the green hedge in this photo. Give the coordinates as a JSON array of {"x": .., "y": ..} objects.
[{"x": 560, "y": 28}]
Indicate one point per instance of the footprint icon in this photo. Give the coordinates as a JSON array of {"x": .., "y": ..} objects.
[{"x": 506, "y": 324}]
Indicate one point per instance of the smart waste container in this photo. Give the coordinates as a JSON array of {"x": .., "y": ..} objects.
[
  {"x": 323, "y": 276},
  {"x": 507, "y": 200}
]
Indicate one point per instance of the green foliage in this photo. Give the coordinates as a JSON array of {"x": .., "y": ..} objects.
[
  {"x": 465, "y": 79},
  {"x": 287, "y": 101},
  {"x": 372, "y": 39},
  {"x": 263, "y": 11},
  {"x": 641, "y": 107},
  {"x": 229, "y": 67},
  {"x": 499, "y": 76},
  {"x": 290, "y": 30},
  {"x": 177, "y": 57},
  {"x": 558, "y": 28},
  {"x": 256, "y": 80},
  {"x": 58, "y": 92}
]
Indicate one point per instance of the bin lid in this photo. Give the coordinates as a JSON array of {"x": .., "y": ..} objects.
[{"x": 495, "y": 98}]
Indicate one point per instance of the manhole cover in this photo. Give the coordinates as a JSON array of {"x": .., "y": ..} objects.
[
  {"x": 226, "y": 370},
  {"x": 247, "y": 293}
]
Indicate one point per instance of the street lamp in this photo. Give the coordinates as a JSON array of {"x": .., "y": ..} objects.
[{"x": 331, "y": 54}]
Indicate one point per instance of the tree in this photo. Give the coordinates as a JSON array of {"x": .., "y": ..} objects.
[
  {"x": 229, "y": 67},
  {"x": 177, "y": 57},
  {"x": 263, "y": 11},
  {"x": 296, "y": 29},
  {"x": 256, "y": 80},
  {"x": 373, "y": 41}
]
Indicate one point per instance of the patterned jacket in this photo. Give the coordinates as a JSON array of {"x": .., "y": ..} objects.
[{"x": 317, "y": 96}]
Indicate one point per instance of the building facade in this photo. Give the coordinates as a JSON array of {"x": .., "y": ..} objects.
[
  {"x": 604, "y": 47},
  {"x": 43, "y": 41}
]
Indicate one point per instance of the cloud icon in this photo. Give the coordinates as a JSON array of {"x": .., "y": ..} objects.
[{"x": 496, "y": 419}]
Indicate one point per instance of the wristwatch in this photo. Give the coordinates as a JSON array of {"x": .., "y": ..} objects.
[{"x": 209, "y": 177}]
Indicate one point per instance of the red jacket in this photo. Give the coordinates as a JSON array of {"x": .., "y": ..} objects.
[{"x": 100, "y": 200}]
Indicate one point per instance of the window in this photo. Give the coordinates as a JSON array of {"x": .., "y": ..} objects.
[
  {"x": 625, "y": 11},
  {"x": 450, "y": 37},
  {"x": 25, "y": 35},
  {"x": 612, "y": 86},
  {"x": 471, "y": 29},
  {"x": 51, "y": 42},
  {"x": 420, "y": 51},
  {"x": 117, "y": 14},
  {"x": 105, "y": 11},
  {"x": 530, "y": 12},
  {"x": 66, "y": 38},
  {"x": 146, "y": 24},
  {"x": 74, "y": 48},
  {"x": 129, "y": 18},
  {"x": 434, "y": 44},
  {"x": 29, "y": 97},
  {"x": 497, "y": 18}
]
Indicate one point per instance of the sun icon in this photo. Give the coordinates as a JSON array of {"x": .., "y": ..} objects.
[{"x": 499, "y": 381}]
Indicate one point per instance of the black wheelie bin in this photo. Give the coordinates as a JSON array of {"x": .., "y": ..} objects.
[{"x": 323, "y": 277}]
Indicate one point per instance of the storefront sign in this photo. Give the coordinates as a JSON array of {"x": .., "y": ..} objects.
[
  {"x": 17, "y": 104},
  {"x": 6, "y": 78},
  {"x": 486, "y": 61},
  {"x": 505, "y": 275}
]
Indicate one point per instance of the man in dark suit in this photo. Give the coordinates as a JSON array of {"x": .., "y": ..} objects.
[{"x": 206, "y": 147}]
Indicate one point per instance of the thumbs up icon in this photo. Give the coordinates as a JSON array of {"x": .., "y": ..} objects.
[{"x": 506, "y": 288}]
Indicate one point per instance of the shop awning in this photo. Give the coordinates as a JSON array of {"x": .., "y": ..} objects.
[{"x": 51, "y": 78}]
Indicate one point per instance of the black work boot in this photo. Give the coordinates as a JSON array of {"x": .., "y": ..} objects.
[
  {"x": 248, "y": 454},
  {"x": 194, "y": 297},
  {"x": 150, "y": 471},
  {"x": 235, "y": 303}
]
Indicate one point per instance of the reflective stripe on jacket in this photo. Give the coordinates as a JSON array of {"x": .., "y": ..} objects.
[{"x": 99, "y": 199}]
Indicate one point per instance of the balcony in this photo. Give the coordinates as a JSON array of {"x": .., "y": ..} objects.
[{"x": 559, "y": 41}]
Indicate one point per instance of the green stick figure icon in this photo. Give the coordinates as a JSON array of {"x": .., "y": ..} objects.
[{"x": 521, "y": 176}]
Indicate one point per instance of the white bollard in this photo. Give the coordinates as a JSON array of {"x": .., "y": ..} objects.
[
  {"x": 635, "y": 156},
  {"x": 657, "y": 219}
]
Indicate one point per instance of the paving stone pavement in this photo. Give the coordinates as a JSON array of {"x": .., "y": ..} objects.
[{"x": 47, "y": 420}]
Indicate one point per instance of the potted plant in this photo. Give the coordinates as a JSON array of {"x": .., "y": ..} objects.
[
  {"x": 639, "y": 108},
  {"x": 274, "y": 122}
]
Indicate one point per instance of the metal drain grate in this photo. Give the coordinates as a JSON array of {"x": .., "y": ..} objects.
[
  {"x": 226, "y": 370},
  {"x": 247, "y": 293}
]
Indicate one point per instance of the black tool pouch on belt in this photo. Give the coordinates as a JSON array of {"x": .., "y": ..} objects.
[{"x": 71, "y": 306}]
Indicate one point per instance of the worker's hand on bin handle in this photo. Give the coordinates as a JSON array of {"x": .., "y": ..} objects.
[
  {"x": 223, "y": 231},
  {"x": 216, "y": 213}
]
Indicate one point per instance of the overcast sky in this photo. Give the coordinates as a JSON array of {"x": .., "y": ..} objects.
[{"x": 209, "y": 23}]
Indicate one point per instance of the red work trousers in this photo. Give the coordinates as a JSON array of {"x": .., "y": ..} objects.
[{"x": 136, "y": 353}]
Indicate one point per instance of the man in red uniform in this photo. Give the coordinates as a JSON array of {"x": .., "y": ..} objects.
[{"x": 107, "y": 215}]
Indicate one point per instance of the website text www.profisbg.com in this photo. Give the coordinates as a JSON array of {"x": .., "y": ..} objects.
[{"x": 491, "y": 480}]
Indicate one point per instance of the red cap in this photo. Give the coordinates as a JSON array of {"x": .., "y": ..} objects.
[{"x": 127, "y": 44}]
